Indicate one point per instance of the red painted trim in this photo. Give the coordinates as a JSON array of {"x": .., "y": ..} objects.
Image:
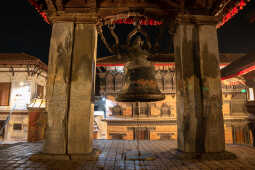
[
  {"x": 38, "y": 9},
  {"x": 161, "y": 64},
  {"x": 242, "y": 72},
  {"x": 109, "y": 65},
  {"x": 142, "y": 21},
  {"x": 239, "y": 6}
]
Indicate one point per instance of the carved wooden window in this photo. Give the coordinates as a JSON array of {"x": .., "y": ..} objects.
[
  {"x": 165, "y": 136},
  {"x": 117, "y": 136},
  {"x": 5, "y": 89},
  {"x": 167, "y": 81},
  {"x": 141, "y": 109},
  {"x": 40, "y": 91},
  {"x": 241, "y": 135},
  {"x": 2, "y": 123},
  {"x": 17, "y": 126},
  {"x": 118, "y": 81},
  {"x": 165, "y": 110},
  {"x": 159, "y": 79},
  {"x": 135, "y": 109},
  {"x": 173, "y": 79},
  {"x": 141, "y": 134},
  {"x": 102, "y": 84},
  {"x": 109, "y": 82},
  {"x": 238, "y": 103},
  {"x": 117, "y": 110}
]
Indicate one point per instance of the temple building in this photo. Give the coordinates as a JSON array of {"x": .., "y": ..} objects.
[
  {"x": 23, "y": 78},
  {"x": 157, "y": 120}
]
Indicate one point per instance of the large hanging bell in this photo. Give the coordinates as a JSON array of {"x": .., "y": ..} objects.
[{"x": 140, "y": 84}]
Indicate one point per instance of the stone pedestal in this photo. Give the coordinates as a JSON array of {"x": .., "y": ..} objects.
[
  {"x": 70, "y": 88},
  {"x": 198, "y": 85}
]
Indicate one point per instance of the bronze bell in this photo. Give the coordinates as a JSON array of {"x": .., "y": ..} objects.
[{"x": 140, "y": 84}]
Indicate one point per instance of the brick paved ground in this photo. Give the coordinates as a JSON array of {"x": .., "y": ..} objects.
[{"x": 112, "y": 158}]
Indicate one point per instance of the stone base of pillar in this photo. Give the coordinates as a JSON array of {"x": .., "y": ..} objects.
[
  {"x": 205, "y": 156},
  {"x": 76, "y": 157}
]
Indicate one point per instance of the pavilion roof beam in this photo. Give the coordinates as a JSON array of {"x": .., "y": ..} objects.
[
  {"x": 250, "y": 79},
  {"x": 222, "y": 5},
  {"x": 241, "y": 66},
  {"x": 100, "y": 32},
  {"x": 216, "y": 7},
  {"x": 172, "y": 3}
]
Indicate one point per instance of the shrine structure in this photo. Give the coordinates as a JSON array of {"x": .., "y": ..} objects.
[{"x": 72, "y": 60}]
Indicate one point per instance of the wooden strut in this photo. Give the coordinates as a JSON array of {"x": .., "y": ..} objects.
[
  {"x": 12, "y": 70},
  {"x": 116, "y": 38},
  {"x": 100, "y": 32},
  {"x": 36, "y": 69},
  {"x": 28, "y": 70},
  {"x": 131, "y": 34}
]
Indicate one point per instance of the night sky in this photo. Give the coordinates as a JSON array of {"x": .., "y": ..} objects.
[{"x": 22, "y": 29}]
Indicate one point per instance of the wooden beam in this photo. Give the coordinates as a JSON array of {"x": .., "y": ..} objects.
[
  {"x": 173, "y": 4},
  {"x": 100, "y": 32},
  {"x": 239, "y": 67}
]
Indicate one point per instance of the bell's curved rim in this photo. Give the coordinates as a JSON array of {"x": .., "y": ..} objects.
[{"x": 140, "y": 97}]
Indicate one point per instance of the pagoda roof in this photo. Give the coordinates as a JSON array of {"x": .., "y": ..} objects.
[{"x": 90, "y": 10}]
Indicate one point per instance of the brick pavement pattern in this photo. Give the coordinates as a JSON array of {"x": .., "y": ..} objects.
[{"x": 113, "y": 153}]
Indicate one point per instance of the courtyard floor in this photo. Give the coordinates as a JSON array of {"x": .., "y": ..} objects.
[{"x": 112, "y": 157}]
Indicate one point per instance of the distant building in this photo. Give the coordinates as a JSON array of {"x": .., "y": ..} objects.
[
  {"x": 157, "y": 120},
  {"x": 22, "y": 78}
]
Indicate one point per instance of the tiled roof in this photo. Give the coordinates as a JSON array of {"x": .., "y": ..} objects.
[{"x": 21, "y": 59}]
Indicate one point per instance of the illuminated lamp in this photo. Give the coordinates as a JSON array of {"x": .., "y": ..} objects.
[
  {"x": 22, "y": 83},
  {"x": 243, "y": 91}
]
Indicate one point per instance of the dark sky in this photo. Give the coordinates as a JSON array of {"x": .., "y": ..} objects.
[{"x": 22, "y": 29}]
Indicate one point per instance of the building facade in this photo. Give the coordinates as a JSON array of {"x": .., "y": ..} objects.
[
  {"x": 157, "y": 120},
  {"x": 22, "y": 78}
]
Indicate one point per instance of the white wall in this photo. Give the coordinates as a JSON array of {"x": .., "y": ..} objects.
[{"x": 23, "y": 90}]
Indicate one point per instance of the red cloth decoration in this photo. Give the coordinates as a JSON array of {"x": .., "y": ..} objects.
[
  {"x": 38, "y": 9},
  {"x": 239, "y": 6},
  {"x": 141, "y": 21}
]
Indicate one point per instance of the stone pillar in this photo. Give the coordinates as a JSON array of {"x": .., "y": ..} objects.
[
  {"x": 58, "y": 87},
  {"x": 198, "y": 85},
  {"x": 71, "y": 70},
  {"x": 250, "y": 106},
  {"x": 80, "y": 119}
]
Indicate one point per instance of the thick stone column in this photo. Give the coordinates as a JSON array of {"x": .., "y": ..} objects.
[
  {"x": 58, "y": 87},
  {"x": 198, "y": 85},
  {"x": 80, "y": 120},
  {"x": 70, "y": 88}
]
